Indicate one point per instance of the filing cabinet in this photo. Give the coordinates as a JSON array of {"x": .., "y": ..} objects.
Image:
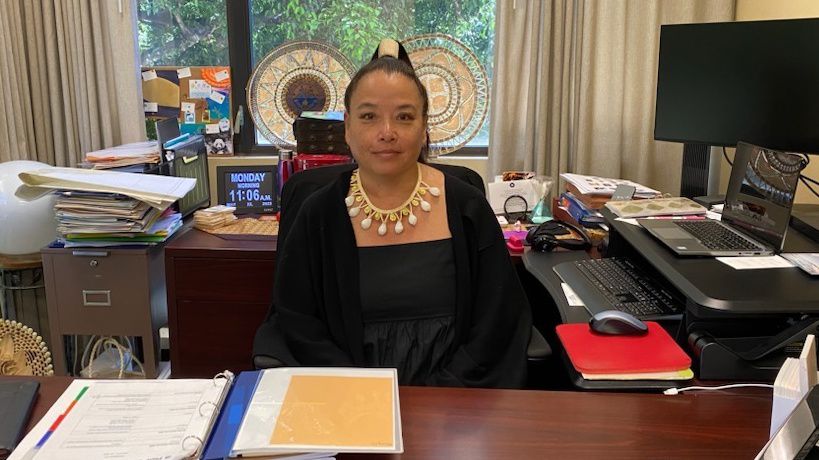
[{"x": 102, "y": 291}]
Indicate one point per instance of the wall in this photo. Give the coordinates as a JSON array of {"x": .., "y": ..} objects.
[{"x": 752, "y": 10}]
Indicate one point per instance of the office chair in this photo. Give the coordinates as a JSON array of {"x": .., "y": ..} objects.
[
  {"x": 23, "y": 351},
  {"x": 269, "y": 347}
]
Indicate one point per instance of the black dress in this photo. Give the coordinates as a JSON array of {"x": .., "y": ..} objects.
[{"x": 408, "y": 307}]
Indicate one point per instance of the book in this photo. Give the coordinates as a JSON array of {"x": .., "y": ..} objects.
[
  {"x": 579, "y": 212},
  {"x": 304, "y": 411},
  {"x": 677, "y": 206},
  {"x": 16, "y": 398},
  {"x": 117, "y": 418},
  {"x": 594, "y": 353}
]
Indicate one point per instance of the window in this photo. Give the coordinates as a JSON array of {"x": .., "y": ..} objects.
[{"x": 177, "y": 32}]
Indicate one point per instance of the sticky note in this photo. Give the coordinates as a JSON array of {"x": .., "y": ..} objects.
[
  {"x": 184, "y": 72},
  {"x": 151, "y": 107},
  {"x": 149, "y": 75}
]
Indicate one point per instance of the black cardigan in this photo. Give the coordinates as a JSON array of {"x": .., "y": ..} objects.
[{"x": 316, "y": 291}]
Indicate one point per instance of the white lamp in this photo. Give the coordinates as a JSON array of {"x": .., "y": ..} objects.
[{"x": 25, "y": 226}]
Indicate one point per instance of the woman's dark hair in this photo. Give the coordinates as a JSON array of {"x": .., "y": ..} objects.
[{"x": 390, "y": 65}]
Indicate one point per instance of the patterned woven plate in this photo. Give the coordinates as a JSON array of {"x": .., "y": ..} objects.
[
  {"x": 457, "y": 86},
  {"x": 295, "y": 77}
]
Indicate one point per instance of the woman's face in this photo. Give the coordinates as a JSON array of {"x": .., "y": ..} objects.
[{"x": 385, "y": 127}]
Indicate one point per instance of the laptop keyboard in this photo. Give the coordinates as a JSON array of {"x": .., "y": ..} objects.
[
  {"x": 716, "y": 237},
  {"x": 627, "y": 288}
]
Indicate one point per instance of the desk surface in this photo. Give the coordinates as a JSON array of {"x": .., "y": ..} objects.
[
  {"x": 457, "y": 423},
  {"x": 712, "y": 284}
]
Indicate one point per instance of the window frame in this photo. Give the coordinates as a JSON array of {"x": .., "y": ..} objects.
[{"x": 239, "y": 55}]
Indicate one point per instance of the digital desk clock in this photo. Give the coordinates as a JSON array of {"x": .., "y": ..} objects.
[{"x": 249, "y": 189}]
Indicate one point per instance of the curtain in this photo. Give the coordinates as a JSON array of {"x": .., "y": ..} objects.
[
  {"x": 575, "y": 86},
  {"x": 69, "y": 77}
]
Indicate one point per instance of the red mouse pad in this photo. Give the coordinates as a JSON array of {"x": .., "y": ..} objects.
[{"x": 594, "y": 353}]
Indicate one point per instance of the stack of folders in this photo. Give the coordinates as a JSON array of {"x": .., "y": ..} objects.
[
  {"x": 652, "y": 356},
  {"x": 106, "y": 208},
  {"x": 309, "y": 413},
  {"x": 124, "y": 155},
  {"x": 595, "y": 191},
  {"x": 794, "y": 380},
  {"x": 107, "y": 219}
]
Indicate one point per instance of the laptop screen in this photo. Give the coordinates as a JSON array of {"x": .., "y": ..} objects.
[{"x": 761, "y": 192}]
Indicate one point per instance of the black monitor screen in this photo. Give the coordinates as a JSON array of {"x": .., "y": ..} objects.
[
  {"x": 250, "y": 189},
  {"x": 757, "y": 82}
]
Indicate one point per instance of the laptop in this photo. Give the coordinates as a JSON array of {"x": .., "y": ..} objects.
[{"x": 756, "y": 214}]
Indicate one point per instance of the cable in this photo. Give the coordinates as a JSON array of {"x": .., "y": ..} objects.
[
  {"x": 725, "y": 154},
  {"x": 805, "y": 180},
  {"x": 674, "y": 391}
]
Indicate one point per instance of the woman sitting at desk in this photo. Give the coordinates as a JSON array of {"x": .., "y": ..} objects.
[{"x": 395, "y": 264}]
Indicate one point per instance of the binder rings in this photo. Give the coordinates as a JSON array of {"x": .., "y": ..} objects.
[{"x": 128, "y": 419}]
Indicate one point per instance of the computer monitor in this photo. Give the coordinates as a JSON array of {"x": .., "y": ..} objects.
[{"x": 721, "y": 83}]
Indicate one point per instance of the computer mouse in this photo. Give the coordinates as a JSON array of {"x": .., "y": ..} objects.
[{"x": 614, "y": 322}]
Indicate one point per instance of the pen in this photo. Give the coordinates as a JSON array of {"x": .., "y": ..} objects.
[{"x": 33, "y": 451}]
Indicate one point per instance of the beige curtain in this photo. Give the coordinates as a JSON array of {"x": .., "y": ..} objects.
[
  {"x": 69, "y": 77},
  {"x": 575, "y": 85}
]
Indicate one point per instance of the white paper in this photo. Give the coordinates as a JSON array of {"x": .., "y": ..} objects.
[
  {"x": 198, "y": 89},
  {"x": 809, "y": 262},
  {"x": 116, "y": 418},
  {"x": 755, "y": 262},
  {"x": 571, "y": 297},
  {"x": 149, "y": 75},
  {"x": 189, "y": 107},
  {"x": 222, "y": 75},
  {"x": 595, "y": 185},
  {"x": 212, "y": 128},
  {"x": 628, "y": 221},
  {"x": 217, "y": 96},
  {"x": 158, "y": 191},
  {"x": 224, "y": 125},
  {"x": 151, "y": 107},
  {"x": 184, "y": 72}
]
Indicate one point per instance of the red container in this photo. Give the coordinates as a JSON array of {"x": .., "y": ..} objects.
[{"x": 305, "y": 161}]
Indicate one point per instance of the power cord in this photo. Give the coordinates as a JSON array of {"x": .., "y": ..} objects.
[{"x": 675, "y": 391}]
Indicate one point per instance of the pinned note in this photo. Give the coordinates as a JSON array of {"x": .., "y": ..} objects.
[
  {"x": 184, "y": 72},
  {"x": 218, "y": 97},
  {"x": 212, "y": 128},
  {"x": 149, "y": 75},
  {"x": 199, "y": 89},
  {"x": 222, "y": 75},
  {"x": 150, "y": 107}
]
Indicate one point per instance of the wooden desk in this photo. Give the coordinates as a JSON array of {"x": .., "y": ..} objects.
[
  {"x": 219, "y": 292},
  {"x": 458, "y": 423}
]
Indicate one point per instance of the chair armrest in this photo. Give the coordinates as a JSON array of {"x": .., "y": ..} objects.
[{"x": 538, "y": 348}]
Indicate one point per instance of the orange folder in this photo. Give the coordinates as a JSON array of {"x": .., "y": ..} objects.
[{"x": 594, "y": 353}]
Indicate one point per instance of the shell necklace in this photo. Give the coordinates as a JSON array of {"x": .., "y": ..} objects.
[{"x": 358, "y": 201}]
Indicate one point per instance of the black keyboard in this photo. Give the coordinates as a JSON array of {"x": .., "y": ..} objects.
[
  {"x": 716, "y": 237},
  {"x": 625, "y": 287}
]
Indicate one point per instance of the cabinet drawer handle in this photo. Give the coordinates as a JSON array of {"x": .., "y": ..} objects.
[
  {"x": 96, "y": 298},
  {"x": 90, "y": 253}
]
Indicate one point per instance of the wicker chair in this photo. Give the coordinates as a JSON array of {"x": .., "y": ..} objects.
[{"x": 22, "y": 351}]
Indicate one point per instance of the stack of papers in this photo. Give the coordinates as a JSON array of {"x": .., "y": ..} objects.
[
  {"x": 653, "y": 356},
  {"x": 594, "y": 185},
  {"x": 104, "y": 208},
  {"x": 213, "y": 217},
  {"x": 124, "y": 155}
]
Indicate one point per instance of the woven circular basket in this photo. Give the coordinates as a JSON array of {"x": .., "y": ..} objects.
[{"x": 23, "y": 351}]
